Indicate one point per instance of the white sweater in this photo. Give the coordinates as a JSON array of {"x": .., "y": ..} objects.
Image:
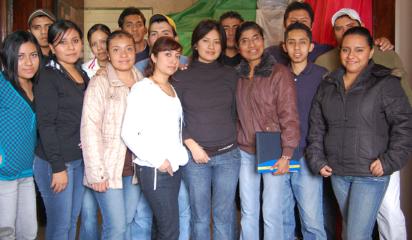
[{"x": 152, "y": 126}]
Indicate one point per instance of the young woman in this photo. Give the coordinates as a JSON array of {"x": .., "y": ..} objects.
[
  {"x": 108, "y": 162},
  {"x": 58, "y": 165},
  {"x": 20, "y": 58},
  {"x": 97, "y": 37},
  {"x": 152, "y": 130},
  {"x": 360, "y": 132},
  {"x": 207, "y": 91},
  {"x": 266, "y": 101}
]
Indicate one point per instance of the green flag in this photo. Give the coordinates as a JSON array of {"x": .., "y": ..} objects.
[{"x": 187, "y": 20}]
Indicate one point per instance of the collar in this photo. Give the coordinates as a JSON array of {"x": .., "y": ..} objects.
[
  {"x": 263, "y": 69},
  {"x": 306, "y": 70},
  {"x": 114, "y": 80}
]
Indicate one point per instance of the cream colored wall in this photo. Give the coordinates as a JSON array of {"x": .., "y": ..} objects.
[
  {"x": 107, "y": 12},
  {"x": 159, "y": 6},
  {"x": 403, "y": 36}
]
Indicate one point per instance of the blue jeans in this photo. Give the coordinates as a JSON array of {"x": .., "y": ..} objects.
[
  {"x": 213, "y": 185},
  {"x": 304, "y": 189},
  {"x": 111, "y": 204},
  {"x": 272, "y": 197},
  {"x": 359, "y": 199},
  {"x": 89, "y": 227},
  {"x": 141, "y": 226},
  {"x": 63, "y": 208},
  {"x": 131, "y": 195}
]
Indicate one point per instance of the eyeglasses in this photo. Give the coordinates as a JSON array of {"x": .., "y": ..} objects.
[{"x": 246, "y": 41}]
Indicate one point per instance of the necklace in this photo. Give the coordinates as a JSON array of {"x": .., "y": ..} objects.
[{"x": 165, "y": 87}]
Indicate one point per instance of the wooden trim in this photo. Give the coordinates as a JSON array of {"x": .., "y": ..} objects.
[
  {"x": 384, "y": 19},
  {"x": 3, "y": 19}
]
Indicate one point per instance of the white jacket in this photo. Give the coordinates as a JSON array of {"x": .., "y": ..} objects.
[{"x": 152, "y": 126}]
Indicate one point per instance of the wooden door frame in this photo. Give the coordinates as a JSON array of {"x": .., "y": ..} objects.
[{"x": 383, "y": 20}]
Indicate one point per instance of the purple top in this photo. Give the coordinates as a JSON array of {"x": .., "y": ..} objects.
[{"x": 307, "y": 83}]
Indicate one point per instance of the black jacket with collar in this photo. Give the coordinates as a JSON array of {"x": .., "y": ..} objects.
[{"x": 371, "y": 120}]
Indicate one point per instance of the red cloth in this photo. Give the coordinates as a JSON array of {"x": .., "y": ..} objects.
[{"x": 324, "y": 10}]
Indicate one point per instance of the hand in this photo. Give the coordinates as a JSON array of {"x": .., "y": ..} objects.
[
  {"x": 101, "y": 186},
  {"x": 282, "y": 165},
  {"x": 101, "y": 71},
  {"x": 183, "y": 66},
  {"x": 1, "y": 159},
  {"x": 384, "y": 44},
  {"x": 199, "y": 155},
  {"x": 166, "y": 167},
  {"x": 376, "y": 168},
  {"x": 59, "y": 181},
  {"x": 326, "y": 171}
]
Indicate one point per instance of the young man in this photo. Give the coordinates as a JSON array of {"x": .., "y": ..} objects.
[
  {"x": 133, "y": 21},
  {"x": 303, "y": 187},
  {"x": 231, "y": 21},
  {"x": 298, "y": 12},
  {"x": 391, "y": 221},
  {"x": 160, "y": 26},
  {"x": 39, "y": 22}
]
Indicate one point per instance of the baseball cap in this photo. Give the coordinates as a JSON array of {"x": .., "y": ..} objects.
[
  {"x": 161, "y": 18},
  {"x": 39, "y": 13},
  {"x": 346, "y": 12}
]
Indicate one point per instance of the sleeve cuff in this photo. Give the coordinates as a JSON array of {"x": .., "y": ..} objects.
[
  {"x": 287, "y": 151},
  {"x": 57, "y": 166}
]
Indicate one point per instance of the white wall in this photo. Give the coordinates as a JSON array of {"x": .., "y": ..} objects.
[{"x": 403, "y": 37}]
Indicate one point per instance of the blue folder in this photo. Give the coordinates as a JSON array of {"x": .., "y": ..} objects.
[{"x": 269, "y": 150}]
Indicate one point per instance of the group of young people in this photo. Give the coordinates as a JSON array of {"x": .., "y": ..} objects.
[{"x": 158, "y": 142}]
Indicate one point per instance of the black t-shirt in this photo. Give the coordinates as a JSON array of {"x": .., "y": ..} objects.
[{"x": 231, "y": 61}]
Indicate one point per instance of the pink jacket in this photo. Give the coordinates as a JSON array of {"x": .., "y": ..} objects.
[{"x": 103, "y": 110}]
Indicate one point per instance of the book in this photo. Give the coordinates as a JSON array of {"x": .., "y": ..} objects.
[{"x": 269, "y": 150}]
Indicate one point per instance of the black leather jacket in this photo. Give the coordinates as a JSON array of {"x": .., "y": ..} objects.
[{"x": 349, "y": 130}]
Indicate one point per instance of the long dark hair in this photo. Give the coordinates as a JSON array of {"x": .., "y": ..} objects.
[
  {"x": 57, "y": 31},
  {"x": 9, "y": 55},
  {"x": 203, "y": 28},
  {"x": 162, "y": 44}
]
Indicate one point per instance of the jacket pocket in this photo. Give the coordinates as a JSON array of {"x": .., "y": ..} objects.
[{"x": 370, "y": 146}]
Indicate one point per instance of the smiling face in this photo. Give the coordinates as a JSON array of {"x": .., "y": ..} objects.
[
  {"x": 68, "y": 50},
  {"x": 209, "y": 47},
  {"x": 122, "y": 53},
  {"x": 355, "y": 53},
  {"x": 298, "y": 45},
  {"x": 98, "y": 45},
  {"x": 251, "y": 45},
  {"x": 28, "y": 61}
]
